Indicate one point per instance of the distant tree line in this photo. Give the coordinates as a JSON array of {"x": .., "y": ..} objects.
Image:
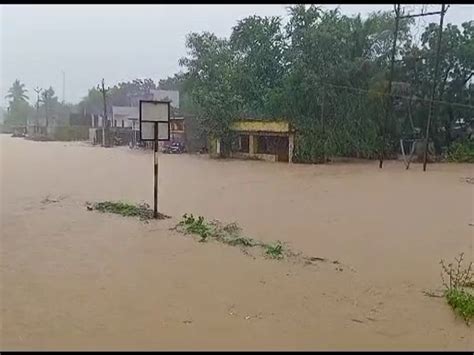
[
  {"x": 20, "y": 111},
  {"x": 323, "y": 71}
]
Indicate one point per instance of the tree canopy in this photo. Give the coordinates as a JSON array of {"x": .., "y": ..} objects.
[{"x": 323, "y": 58}]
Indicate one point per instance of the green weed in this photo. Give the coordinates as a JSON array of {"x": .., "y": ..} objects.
[
  {"x": 142, "y": 211},
  {"x": 225, "y": 233},
  {"x": 274, "y": 251},
  {"x": 458, "y": 282},
  {"x": 462, "y": 303}
]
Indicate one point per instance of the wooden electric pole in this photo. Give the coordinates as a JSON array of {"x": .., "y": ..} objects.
[
  {"x": 388, "y": 101},
  {"x": 433, "y": 88},
  {"x": 104, "y": 120},
  {"x": 64, "y": 87},
  {"x": 323, "y": 129},
  {"x": 38, "y": 91}
]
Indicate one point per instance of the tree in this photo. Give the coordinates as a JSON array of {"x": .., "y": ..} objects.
[
  {"x": 456, "y": 71},
  {"x": 18, "y": 107},
  {"x": 326, "y": 59},
  {"x": 50, "y": 103},
  {"x": 180, "y": 82},
  {"x": 17, "y": 92},
  {"x": 122, "y": 94},
  {"x": 258, "y": 45},
  {"x": 211, "y": 74}
]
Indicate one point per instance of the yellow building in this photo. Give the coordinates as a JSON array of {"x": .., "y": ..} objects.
[{"x": 258, "y": 139}]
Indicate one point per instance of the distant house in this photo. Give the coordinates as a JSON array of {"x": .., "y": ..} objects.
[
  {"x": 42, "y": 126},
  {"x": 124, "y": 116},
  {"x": 258, "y": 139},
  {"x": 164, "y": 95}
]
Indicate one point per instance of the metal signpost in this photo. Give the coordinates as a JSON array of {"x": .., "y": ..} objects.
[{"x": 154, "y": 121}]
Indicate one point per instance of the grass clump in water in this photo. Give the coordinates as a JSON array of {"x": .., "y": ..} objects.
[
  {"x": 459, "y": 284},
  {"x": 230, "y": 234},
  {"x": 196, "y": 226},
  {"x": 143, "y": 210},
  {"x": 462, "y": 303},
  {"x": 274, "y": 251}
]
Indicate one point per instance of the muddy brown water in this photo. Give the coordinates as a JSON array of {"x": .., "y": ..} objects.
[{"x": 75, "y": 279}]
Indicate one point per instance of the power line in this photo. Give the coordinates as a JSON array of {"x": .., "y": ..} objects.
[{"x": 398, "y": 96}]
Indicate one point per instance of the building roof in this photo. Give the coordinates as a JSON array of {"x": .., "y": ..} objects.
[
  {"x": 261, "y": 126},
  {"x": 128, "y": 111},
  {"x": 172, "y": 95}
]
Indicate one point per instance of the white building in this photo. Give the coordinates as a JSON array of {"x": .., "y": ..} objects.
[
  {"x": 163, "y": 95},
  {"x": 124, "y": 116}
]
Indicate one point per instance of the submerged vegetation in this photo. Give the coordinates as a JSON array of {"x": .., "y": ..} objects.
[
  {"x": 231, "y": 234},
  {"x": 225, "y": 233},
  {"x": 143, "y": 210},
  {"x": 458, "y": 281}
]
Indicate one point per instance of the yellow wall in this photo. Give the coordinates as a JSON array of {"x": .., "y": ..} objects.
[{"x": 262, "y": 126}]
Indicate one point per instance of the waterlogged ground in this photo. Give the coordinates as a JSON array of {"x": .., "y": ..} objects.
[{"x": 78, "y": 279}]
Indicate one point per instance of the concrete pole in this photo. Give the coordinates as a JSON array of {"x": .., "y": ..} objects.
[{"x": 291, "y": 144}]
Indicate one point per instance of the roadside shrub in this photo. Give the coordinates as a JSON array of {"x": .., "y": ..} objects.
[{"x": 462, "y": 151}]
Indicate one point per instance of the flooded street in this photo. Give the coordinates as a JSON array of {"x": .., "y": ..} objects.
[{"x": 74, "y": 279}]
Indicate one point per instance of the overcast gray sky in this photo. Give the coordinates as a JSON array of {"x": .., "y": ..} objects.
[{"x": 121, "y": 42}]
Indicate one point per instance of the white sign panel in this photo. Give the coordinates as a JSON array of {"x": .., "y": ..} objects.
[
  {"x": 154, "y": 111},
  {"x": 151, "y": 113},
  {"x": 148, "y": 131}
]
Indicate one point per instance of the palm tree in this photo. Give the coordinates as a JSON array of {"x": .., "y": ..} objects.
[
  {"x": 17, "y": 92},
  {"x": 49, "y": 102}
]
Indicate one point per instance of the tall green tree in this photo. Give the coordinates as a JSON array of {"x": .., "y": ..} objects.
[
  {"x": 17, "y": 92},
  {"x": 258, "y": 45},
  {"x": 18, "y": 106},
  {"x": 211, "y": 74}
]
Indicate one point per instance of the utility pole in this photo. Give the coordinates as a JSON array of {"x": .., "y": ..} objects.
[
  {"x": 38, "y": 91},
  {"x": 64, "y": 86},
  {"x": 388, "y": 101},
  {"x": 104, "y": 120},
  {"x": 322, "y": 129},
  {"x": 46, "y": 108},
  {"x": 388, "y": 110},
  {"x": 433, "y": 89}
]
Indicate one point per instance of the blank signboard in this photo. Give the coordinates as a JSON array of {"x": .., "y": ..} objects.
[
  {"x": 152, "y": 112},
  {"x": 147, "y": 132}
]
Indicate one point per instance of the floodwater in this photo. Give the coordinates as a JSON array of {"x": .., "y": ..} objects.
[{"x": 79, "y": 280}]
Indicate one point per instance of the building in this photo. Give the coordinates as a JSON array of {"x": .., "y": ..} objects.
[
  {"x": 165, "y": 95},
  {"x": 258, "y": 139},
  {"x": 124, "y": 116}
]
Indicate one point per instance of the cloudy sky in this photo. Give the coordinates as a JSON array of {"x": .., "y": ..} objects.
[{"x": 122, "y": 42}]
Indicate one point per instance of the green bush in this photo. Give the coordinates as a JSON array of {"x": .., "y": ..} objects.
[
  {"x": 462, "y": 152},
  {"x": 458, "y": 281},
  {"x": 462, "y": 303}
]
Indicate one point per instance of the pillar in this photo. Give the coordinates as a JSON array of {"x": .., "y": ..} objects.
[
  {"x": 253, "y": 144},
  {"x": 291, "y": 144}
]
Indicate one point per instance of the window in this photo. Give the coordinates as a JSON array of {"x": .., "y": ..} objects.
[{"x": 123, "y": 123}]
